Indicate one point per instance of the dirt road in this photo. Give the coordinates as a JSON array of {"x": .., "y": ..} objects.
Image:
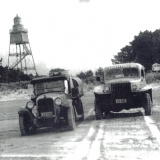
[{"x": 124, "y": 135}]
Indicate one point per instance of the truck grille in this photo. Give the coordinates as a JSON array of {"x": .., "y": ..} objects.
[
  {"x": 45, "y": 105},
  {"x": 120, "y": 90}
]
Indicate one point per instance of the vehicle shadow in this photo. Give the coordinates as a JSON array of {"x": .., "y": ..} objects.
[
  {"x": 62, "y": 127},
  {"x": 123, "y": 115}
]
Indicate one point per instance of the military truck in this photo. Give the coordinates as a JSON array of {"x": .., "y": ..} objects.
[
  {"x": 54, "y": 99},
  {"x": 123, "y": 86}
]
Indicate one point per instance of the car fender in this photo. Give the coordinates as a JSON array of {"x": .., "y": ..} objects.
[
  {"x": 67, "y": 103},
  {"x": 23, "y": 111}
]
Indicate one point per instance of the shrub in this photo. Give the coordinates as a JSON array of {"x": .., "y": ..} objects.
[{"x": 14, "y": 86}]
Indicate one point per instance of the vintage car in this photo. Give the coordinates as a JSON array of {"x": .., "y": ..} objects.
[
  {"x": 123, "y": 87},
  {"x": 54, "y": 99}
]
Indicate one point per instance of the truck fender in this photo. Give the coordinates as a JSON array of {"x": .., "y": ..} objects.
[{"x": 148, "y": 91}]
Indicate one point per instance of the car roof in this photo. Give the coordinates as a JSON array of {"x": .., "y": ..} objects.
[
  {"x": 58, "y": 75},
  {"x": 46, "y": 79}
]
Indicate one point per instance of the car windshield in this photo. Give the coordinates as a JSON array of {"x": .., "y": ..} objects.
[
  {"x": 122, "y": 73},
  {"x": 53, "y": 86}
]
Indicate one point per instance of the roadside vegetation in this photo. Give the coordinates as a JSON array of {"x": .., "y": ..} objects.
[{"x": 144, "y": 49}]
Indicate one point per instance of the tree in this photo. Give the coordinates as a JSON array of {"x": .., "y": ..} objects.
[
  {"x": 81, "y": 75},
  {"x": 144, "y": 49},
  {"x": 89, "y": 73},
  {"x": 99, "y": 72}
]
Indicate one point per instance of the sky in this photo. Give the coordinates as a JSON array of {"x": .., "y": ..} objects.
[{"x": 77, "y": 35}]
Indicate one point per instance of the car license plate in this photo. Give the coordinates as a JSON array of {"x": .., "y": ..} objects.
[
  {"x": 46, "y": 114},
  {"x": 121, "y": 100}
]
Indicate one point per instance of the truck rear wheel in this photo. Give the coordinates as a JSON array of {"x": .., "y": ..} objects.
[
  {"x": 148, "y": 105},
  {"x": 98, "y": 112},
  {"x": 71, "y": 118}
]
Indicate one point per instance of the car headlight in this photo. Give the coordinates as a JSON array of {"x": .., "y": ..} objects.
[
  {"x": 58, "y": 101},
  {"x": 30, "y": 105}
]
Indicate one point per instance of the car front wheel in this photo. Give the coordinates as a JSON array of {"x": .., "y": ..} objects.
[
  {"x": 71, "y": 118},
  {"x": 26, "y": 125}
]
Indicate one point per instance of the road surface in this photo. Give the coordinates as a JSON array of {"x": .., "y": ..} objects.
[{"x": 124, "y": 135}]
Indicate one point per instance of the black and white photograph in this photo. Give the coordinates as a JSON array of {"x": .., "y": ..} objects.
[{"x": 79, "y": 80}]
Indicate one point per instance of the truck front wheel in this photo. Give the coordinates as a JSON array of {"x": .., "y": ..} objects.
[
  {"x": 98, "y": 112},
  {"x": 148, "y": 105}
]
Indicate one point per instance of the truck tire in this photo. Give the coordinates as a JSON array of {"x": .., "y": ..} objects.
[
  {"x": 71, "y": 118},
  {"x": 148, "y": 105},
  {"x": 98, "y": 112},
  {"x": 26, "y": 125}
]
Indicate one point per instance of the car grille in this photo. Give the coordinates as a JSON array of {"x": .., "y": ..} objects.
[
  {"x": 45, "y": 105},
  {"x": 120, "y": 90}
]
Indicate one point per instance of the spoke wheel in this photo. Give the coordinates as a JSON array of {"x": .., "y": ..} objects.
[{"x": 26, "y": 125}]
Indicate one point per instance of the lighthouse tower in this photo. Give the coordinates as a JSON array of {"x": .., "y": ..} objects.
[{"x": 20, "y": 54}]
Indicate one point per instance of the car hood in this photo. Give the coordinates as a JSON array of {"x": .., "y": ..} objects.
[{"x": 66, "y": 100}]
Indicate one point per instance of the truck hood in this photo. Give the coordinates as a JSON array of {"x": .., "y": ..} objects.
[
  {"x": 99, "y": 89},
  {"x": 123, "y": 80}
]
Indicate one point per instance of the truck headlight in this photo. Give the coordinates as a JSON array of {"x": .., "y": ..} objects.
[
  {"x": 106, "y": 89},
  {"x": 136, "y": 86},
  {"x": 30, "y": 105},
  {"x": 58, "y": 101}
]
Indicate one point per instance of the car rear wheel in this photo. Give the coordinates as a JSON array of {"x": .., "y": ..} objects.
[
  {"x": 26, "y": 125},
  {"x": 77, "y": 103},
  {"x": 81, "y": 109},
  {"x": 148, "y": 105},
  {"x": 98, "y": 112},
  {"x": 71, "y": 118}
]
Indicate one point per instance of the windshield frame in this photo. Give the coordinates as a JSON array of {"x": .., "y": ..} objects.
[
  {"x": 45, "y": 89},
  {"x": 121, "y": 73}
]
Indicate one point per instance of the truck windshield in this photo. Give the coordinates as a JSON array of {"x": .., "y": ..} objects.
[
  {"x": 53, "y": 86},
  {"x": 122, "y": 73}
]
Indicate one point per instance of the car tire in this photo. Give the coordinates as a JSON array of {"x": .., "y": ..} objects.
[
  {"x": 98, "y": 112},
  {"x": 148, "y": 105},
  {"x": 81, "y": 109},
  {"x": 26, "y": 125},
  {"x": 71, "y": 118}
]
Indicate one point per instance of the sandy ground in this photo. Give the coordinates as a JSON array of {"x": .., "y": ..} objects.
[{"x": 125, "y": 135}]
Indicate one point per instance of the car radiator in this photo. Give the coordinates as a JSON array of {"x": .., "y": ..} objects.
[
  {"x": 120, "y": 90},
  {"x": 45, "y": 105}
]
